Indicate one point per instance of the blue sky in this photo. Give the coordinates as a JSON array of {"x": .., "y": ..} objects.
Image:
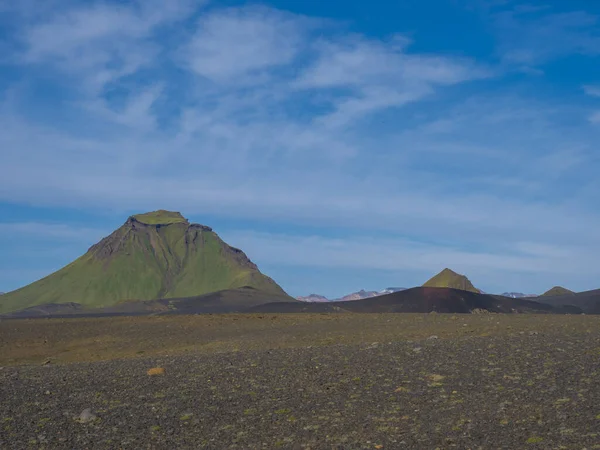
[{"x": 342, "y": 144}]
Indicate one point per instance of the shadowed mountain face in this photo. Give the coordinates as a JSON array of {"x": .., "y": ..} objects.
[
  {"x": 450, "y": 279},
  {"x": 153, "y": 255}
]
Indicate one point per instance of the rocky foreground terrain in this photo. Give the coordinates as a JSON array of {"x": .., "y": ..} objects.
[{"x": 299, "y": 381}]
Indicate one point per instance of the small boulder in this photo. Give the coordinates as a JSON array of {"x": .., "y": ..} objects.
[
  {"x": 156, "y": 371},
  {"x": 87, "y": 416}
]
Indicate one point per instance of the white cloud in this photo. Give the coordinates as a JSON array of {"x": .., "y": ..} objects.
[
  {"x": 592, "y": 90},
  {"x": 136, "y": 112},
  {"x": 59, "y": 231},
  {"x": 102, "y": 41},
  {"x": 529, "y": 38},
  {"x": 595, "y": 117},
  {"x": 241, "y": 45},
  {"x": 380, "y": 75},
  {"x": 397, "y": 254}
]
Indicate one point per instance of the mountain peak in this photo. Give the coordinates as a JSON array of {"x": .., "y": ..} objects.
[
  {"x": 160, "y": 217},
  {"x": 155, "y": 255},
  {"x": 557, "y": 290},
  {"x": 447, "y": 278}
]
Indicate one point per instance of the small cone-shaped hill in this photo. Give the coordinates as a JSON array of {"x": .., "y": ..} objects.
[
  {"x": 450, "y": 279},
  {"x": 557, "y": 290},
  {"x": 154, "y": 255}
]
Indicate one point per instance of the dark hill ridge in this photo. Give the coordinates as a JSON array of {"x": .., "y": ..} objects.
[
  {"x": 425, "y": 300},
  {"x": 154, "y": 255},
  {"x": 249, "y": 300},
  {"x": 588, "y": 301},
  {"x": 449, "y": 279},
  {"x": 226, "y": 301}
]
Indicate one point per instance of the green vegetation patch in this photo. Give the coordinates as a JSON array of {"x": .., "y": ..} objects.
[
  {"x": 450, "y": 279},
  {"x": 145, "y": 263},
  {"x": 557, "y": 290},
  {"x": 160, "y": 217}
]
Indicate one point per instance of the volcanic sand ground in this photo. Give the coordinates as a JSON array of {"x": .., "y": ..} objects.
[{"x": 344, "y": 381}]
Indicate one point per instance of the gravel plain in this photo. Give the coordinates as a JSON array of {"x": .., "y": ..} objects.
[{"x": 522, "y": 386}]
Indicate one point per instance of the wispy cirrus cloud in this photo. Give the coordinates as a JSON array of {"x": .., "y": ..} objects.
[
  {"x": 530, "y": 37},
  {"x": 59, "y": 231},
  {"x": 239, "y": 46},
  {"x": 524, "y": 260},
  {"x": 592, "y": 90},
  {"x": 377, "y": 75},
  {"x": 100, "y": 42}
]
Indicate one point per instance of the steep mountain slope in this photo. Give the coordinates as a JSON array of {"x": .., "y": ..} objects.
[
  {"x": 557, "y": 290},
  {"x": 153, "y": 255},
  {"x": 450, "y": 279}
]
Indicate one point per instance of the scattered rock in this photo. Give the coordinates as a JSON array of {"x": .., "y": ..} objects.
[
  {"x": 46, "y": 362},
  {"x": 436, "y": 377},
  {"x": 432, "y": 337},
  {"x": 417, "y": 349},
  {"x": 87, "y": 416},
  {"x": 156, "y": 371},
  {"x": 533, "y": 333}
]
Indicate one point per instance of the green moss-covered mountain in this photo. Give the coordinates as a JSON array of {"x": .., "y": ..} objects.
[
  {"x": 450, "y": 279},
  {"x": 154, "y": 255},
  {"x": 557, "y": 290}
]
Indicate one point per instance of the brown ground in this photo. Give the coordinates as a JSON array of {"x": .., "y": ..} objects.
[
  {"x": 34, "y": 341},
  {"x": 338, "y": 381}
]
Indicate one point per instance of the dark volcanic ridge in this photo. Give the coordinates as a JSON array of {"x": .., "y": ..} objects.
[
  {"x": 588, "y": 301},
  {"x": 250, "y": 300},
  {"x": 226, "y": 301}
]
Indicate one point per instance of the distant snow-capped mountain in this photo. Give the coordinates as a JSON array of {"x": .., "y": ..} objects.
[
  {"x": 391, "y": 290},
  {"x": 517, "y": 295},
  {"x": 360, "y": 295},
  {"x": 313, "y": 298}
]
